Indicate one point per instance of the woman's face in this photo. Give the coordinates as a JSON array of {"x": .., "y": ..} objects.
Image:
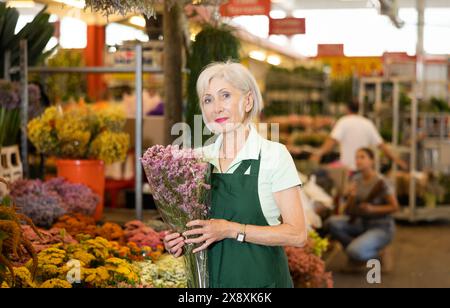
[
  {"x": 224, "y": 106},
  {"x": 363, "y": 161}
]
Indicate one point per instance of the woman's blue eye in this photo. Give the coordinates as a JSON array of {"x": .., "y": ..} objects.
[
  {"x": 207, "y": 101},
  {"x": 226, "y": 95}
]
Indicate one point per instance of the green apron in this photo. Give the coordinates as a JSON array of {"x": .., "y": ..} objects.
[{"x": 243, "y": 265}]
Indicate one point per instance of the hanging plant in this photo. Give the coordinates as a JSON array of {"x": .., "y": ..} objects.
[
  {"x": 123, "y": 7},
  {"x": 212, "y": 44}
]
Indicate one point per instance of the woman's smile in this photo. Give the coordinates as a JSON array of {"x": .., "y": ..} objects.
[{"x": 221, "y": 120}]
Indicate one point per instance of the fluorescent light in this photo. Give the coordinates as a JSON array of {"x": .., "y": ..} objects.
[
  {"x": 274, "y": 60},
  {"x": 21, "y": 4},
  {"x": 73, "y": 33},
  {"x": 53, "y": 18},
  {"x": 298, "y": 13},
  {"x": 75, "y": 3},
  {"x": 257, "y": 55},
  {"x": 137, "y": 21},
  {"x": 277, "y": 14}
]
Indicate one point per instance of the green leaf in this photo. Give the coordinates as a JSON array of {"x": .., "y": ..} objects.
[
  {"x": 3, "y": 236},
  {"x": 11, "y": 18}
]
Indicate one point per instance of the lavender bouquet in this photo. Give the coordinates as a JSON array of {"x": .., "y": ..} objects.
[
  {"x": 179, "y": 180},
  {"x": 76, "y": 198},
  {"x": 44, "y": 202}
]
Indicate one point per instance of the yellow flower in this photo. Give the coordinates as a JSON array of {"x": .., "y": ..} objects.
[
  {"x": 121, "y": 270},
  {"x": 99, "y": 247},
  {"x": 41, "y": 132},
  {"x": 83, "y": 256},
  {"x": 111, "y": 118},
  {"x": 73, "y": 132},
  {"x": 97, "y": 277},
  {"x": 23, "y": 278},
  {"x": 81, "y": 132},
  {"x": 110, "y": 147},
  {"x": 56, "y": 283},
  {"x": 51, "y": 261}
]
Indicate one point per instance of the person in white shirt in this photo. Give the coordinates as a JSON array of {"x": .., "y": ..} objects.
[{"x": 354, "y": 132}]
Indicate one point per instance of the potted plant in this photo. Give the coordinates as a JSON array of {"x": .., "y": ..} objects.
[
  {"x": 11, "y": 166},
  {"x": 83, "y": 139}
]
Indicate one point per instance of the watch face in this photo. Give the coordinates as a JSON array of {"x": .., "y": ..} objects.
[{"x": 240, "y": 237}]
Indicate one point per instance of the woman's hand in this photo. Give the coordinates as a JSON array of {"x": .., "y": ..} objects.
[
  {"x": 352, "y": 190},
  {"x": 367, "y": 209},
  {"x": 174, "y": 242},
  {"x": 210, "y": 231}
]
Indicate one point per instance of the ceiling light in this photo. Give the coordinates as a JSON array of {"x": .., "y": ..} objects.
[
  {"x": 277, "y": 14},
  {"x": 257, "y": 55},
  {"x": 274, "y": 60},
  {"x": 137, "y": 21},
  {"x": 21, "y": 4},
  {"x": 75, "y": 3}
]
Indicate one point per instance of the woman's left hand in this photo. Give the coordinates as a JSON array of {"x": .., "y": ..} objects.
[
  {"x": 210, "y": 231},
  {"x": 367, "y": 208}
]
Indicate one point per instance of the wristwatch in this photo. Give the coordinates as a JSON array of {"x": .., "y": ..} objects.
[{"x": 241, "y": 236}]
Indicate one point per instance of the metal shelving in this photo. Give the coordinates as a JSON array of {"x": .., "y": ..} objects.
[
  {"x": 138, "y": 69},
  {"x": 412, "y": 213}
]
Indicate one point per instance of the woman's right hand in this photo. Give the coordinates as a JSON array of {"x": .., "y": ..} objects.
[
  {"x": 351, "y": 190},
  {"x": 174, "y": 242}
]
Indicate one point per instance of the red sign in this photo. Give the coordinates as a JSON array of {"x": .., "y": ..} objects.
[
  {"x": 245, "y": 7},
  {"x": 287, "y": 26},
  {"x": 327, "y": 50}
]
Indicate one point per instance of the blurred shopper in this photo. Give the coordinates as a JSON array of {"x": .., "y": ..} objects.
[
  {"x": 421, "y": 136},
  {"x": 367, "y": 227},
  {"x": 353, "y": 132}
]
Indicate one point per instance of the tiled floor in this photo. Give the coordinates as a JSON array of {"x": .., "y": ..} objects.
[{"x": 421, "y": 256}]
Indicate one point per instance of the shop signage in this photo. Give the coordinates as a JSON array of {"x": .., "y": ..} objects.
[
  {"x": 324, "y": 50},
  {"x": 245, "y": 7},
  {"x": 287, "y": 26}
]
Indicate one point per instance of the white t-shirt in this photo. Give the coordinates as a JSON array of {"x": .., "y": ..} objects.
[
  {"x": 354, "y": 132},
  {"x": 277, "y": 169}
]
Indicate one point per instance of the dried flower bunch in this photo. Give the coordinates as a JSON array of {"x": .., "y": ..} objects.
[
  {"x": 179, "y": 180},
  {"x": 13, "y": 243},
  {"x": 81, "y": 132},
  {"x": 123, "y": 7},
  {"x": 44, "y": 202}
]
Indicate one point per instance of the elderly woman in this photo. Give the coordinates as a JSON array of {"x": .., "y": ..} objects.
[{"x": 256, "y": 208}]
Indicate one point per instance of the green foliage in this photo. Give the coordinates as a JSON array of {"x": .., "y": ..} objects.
[
  {"x": 37, "y": 32},
  {"x": 66, "y": 87},
  {"x": 341, "y": 90},
  {"x": 212, "y": 44}
]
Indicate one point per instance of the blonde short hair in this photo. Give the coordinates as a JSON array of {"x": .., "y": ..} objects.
[{"x": 238, "y": 76}]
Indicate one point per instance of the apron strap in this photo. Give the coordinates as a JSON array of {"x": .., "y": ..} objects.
[
  {"x": 245, "y": 164},
  {"x": 242, "y": 167}
]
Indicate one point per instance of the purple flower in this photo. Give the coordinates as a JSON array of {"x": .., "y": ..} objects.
[
  {"x": 9, "y": 98},
  {"x": 46, "y": 202},
  {"x": 76, "y": 198},
  {"x": 41, "y": 205},
  {"x": 178, "y": 179}
]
